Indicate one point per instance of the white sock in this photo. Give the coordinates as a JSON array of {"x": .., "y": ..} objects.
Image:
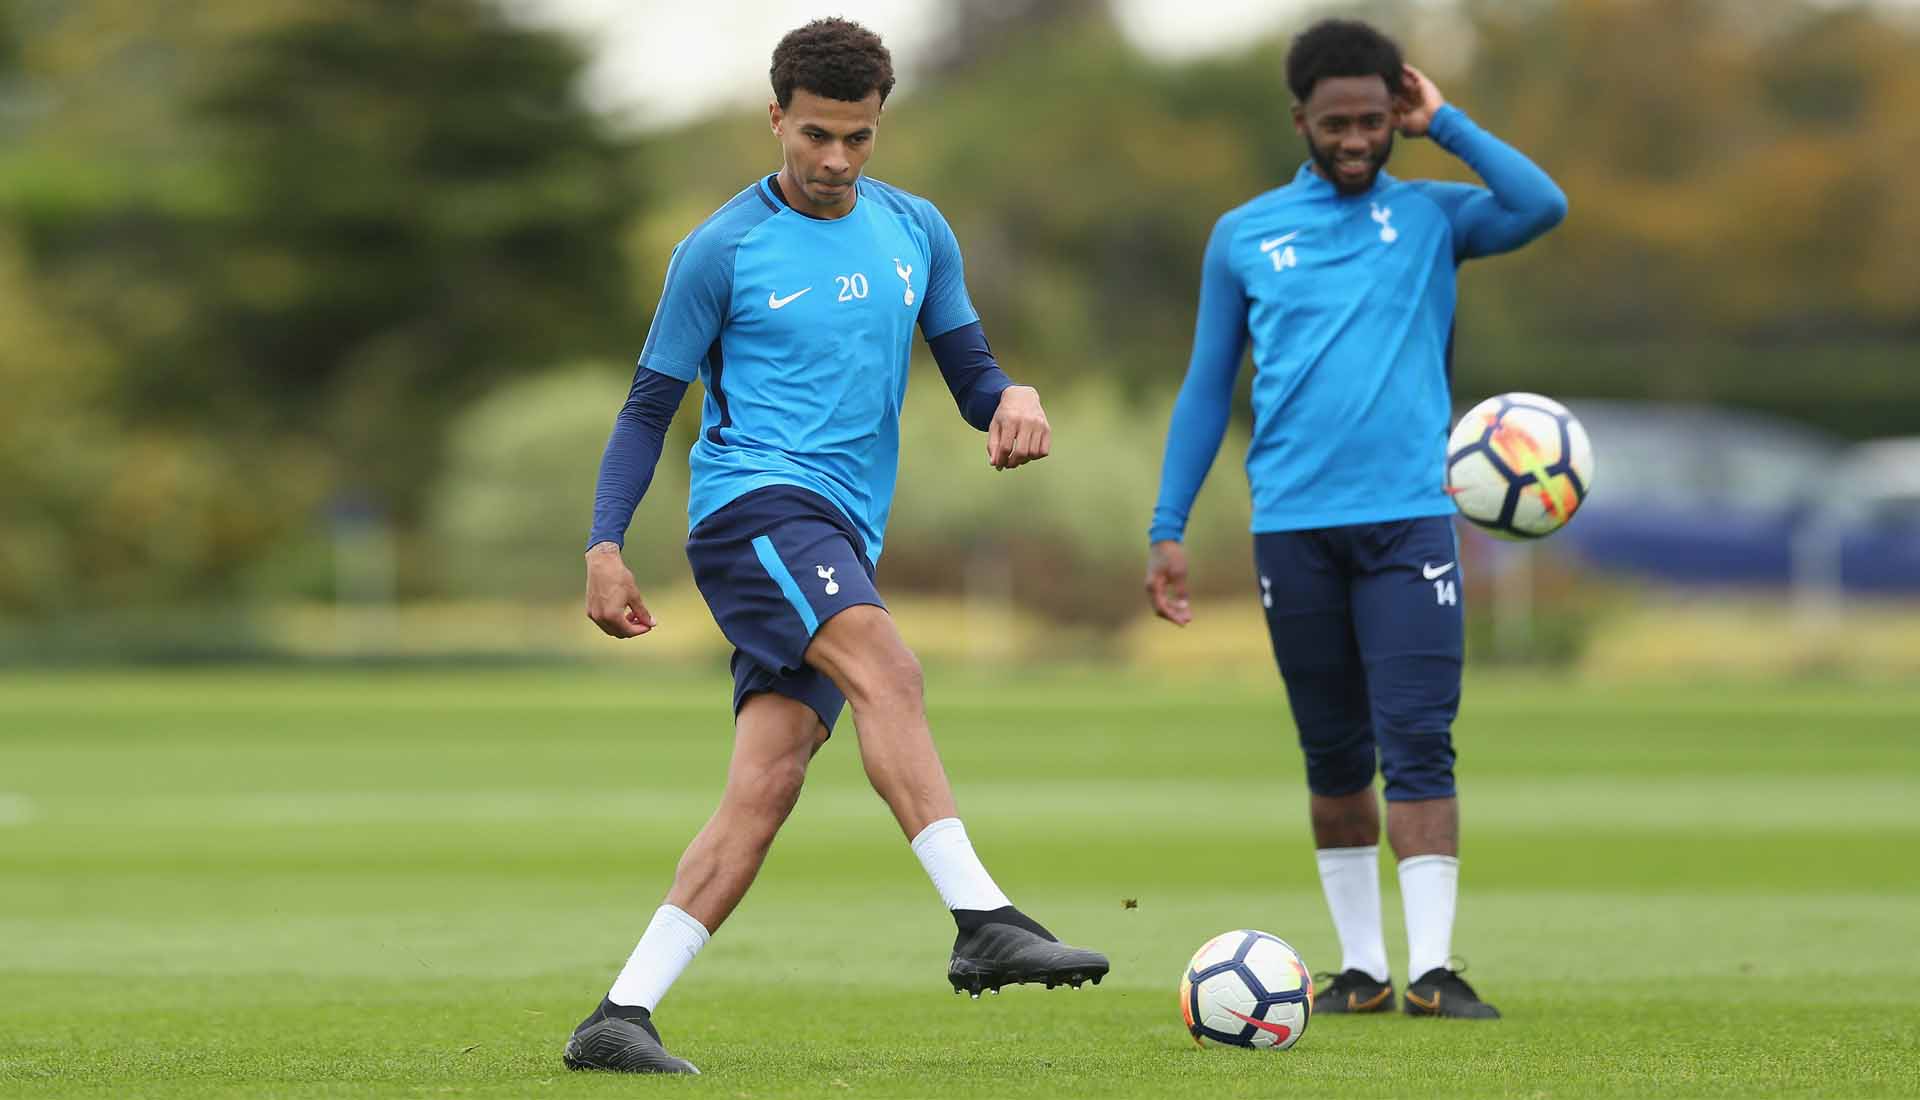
[
  {"x": 670, "y": 942},
  {"x": 1351, "y": 879},
  {"x": 947, "y": 854},
  {"x": 1429, "y": 889}
]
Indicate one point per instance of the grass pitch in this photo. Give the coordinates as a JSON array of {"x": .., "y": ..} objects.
[{"x": 349, "y": 883}]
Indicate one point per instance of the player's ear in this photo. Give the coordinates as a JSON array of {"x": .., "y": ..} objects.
[
  {"x": 775, "y": 115},
  {"x": 1300, "y": 119}
]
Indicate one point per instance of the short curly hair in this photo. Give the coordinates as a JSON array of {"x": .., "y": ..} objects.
[
  {"x": 1341, "y": 47},
  {"x": 835, "y": 58}
]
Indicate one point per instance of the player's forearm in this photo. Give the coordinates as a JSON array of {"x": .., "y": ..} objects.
[
  {"x": 1201, "y": 411},
  {"x": 1198, "y": 427},
  {"x": 633, "y": 450},
  {"x": 973, "y": 377},
  {"x": 1521, "y": 188}
]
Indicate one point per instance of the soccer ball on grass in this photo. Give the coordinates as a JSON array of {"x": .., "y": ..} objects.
[{"x": 1246, "y": 989}]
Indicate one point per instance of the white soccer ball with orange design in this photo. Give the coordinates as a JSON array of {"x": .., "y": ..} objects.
[
  {"x": 1519, "y": 465},
  {"x": 1246, "y": 989}
]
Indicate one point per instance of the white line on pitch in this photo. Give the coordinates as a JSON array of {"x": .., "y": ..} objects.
[{"x": 16, "y": 809}]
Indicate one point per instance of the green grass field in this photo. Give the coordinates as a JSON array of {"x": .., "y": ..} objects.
[{"x": 354, "y": 883}]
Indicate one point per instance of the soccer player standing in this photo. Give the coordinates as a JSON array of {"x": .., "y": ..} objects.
[
  {"x": 795, "y": 304},
  {"x": 1344, "y": 280}
]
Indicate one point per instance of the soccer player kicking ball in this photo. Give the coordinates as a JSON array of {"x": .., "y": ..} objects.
[
  {"x": 795, "y": 304},
  {"x": 1345, "y": 280}
]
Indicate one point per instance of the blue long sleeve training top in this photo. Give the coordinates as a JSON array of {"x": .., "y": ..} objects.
[
  {"x": 799, "y": 329},
  {"x": 1349, "y": 303}
]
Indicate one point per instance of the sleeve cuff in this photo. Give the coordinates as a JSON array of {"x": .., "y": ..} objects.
[
  {"x": 672, "y": 368},
  {"x": 1449, "y": 124},
  {"x": 934, "y": 332}
]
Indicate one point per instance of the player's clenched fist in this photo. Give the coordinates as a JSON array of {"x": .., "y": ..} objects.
[
  {"x": 613, "y": 600},
  {"x": 1019, "y": 433}
]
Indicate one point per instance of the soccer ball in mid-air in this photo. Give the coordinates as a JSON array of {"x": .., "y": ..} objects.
[
  {"x": 1246, "y": 989},
  {"x": 1519, "y": 465}
]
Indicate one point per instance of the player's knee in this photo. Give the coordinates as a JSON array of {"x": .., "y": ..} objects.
[
  {"x": 1417, "y": 764},
  {"x": 782, "y": 786},
  {"x": 1338, "y": 770},
  {"x": 902, "y": 682},
  {"x": 1336, "y": 740},
  {"x": 765, "y": 796},
  {"x": 890, "y": 677}
]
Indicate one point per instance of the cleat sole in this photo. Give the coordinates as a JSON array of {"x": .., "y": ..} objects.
[{"x": 976, "y": 983}]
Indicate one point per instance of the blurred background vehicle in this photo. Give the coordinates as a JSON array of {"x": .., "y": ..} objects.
[{"x": 1705, "y": 495}]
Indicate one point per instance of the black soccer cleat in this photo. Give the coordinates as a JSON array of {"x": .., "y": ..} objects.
[
  {"x": 1352, "y": 992},
  {"x": 1443, "y": 992},
  {"x": 1006, "y": 947},
  {"x": 622, "y": 1040}
]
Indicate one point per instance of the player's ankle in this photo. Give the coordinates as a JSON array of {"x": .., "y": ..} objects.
[
  {"x": 624, "y": 1012},
  {"x": 971, "y": 920}
]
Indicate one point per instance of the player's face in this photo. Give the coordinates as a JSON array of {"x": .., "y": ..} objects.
[
  {"x": 826, "y": 143},
  {"x": 1348, "y": 125}
]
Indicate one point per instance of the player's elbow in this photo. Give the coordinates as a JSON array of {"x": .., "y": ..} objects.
[{"x": 1552, "y": 210}]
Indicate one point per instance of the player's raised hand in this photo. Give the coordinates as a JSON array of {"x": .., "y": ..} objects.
[
  {"x": 613, "y": 600},
  {"x": 1019, "y": 433},
  {"x": 1419, "y": 98},
  {"x": 1167, "y": 582}
]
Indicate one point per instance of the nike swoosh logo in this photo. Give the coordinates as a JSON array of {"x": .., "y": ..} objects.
[
  {"x": 776, "y": 303},
  {"x": 1278, "y": 1031},
  {"x": 1355, "y": 1004},
  {"x": 1435, "y": 572},
  {"x": 1430, "y": 1006},
  {"x": 1269, "y": 246}
]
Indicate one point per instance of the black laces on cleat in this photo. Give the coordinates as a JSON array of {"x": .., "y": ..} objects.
[{"x": 1455, "y": 967}]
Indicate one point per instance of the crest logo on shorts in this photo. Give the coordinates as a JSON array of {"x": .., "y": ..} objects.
[{"x": 826, "y": 574}]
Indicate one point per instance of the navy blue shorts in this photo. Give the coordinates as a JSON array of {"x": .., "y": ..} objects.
[
  {"x": 1368, "y": 631},
  {"x": 773, "y": 566}
]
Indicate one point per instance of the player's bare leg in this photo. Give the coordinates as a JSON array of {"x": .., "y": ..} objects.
[
  {"x": 774, "y": 739},
  {"x": 1426, "y": 827},
  {"x": 862, "y": 652},
  {"x": 1347, "y": 820}
]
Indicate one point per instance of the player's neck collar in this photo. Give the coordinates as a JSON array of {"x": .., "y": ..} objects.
[
  {"x": 1320, "y": 184},
  {"x": 772, "y": 186}
]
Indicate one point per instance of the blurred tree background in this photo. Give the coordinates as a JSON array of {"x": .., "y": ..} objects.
[{"x": 276, "y": 268}]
